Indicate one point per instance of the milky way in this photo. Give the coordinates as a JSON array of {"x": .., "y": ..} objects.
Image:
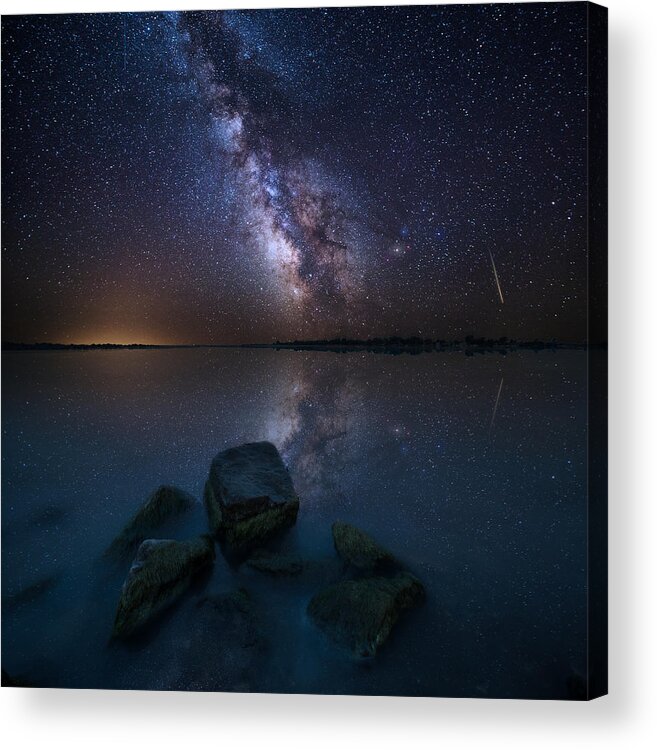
[
  {"x": 246, "y": 176},
  {"x": 290, "y": 209}
]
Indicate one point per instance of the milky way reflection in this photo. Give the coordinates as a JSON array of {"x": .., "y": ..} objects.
[{"x": 490, "y": 514}]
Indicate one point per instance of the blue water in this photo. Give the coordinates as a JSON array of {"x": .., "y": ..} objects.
[{"x": 486, "y": 504}]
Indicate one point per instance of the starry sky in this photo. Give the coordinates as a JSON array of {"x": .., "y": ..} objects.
[{"x": 245, "y": 176}]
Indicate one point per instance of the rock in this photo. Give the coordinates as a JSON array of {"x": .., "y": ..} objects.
[
  {"x": 166, "y": 502},
  {"x": 359, "y": 614},
  {"x": 359, "y": 549},
  {"x": 236, "y": 618},
  {"x": 52, "y": 515},
  {"x": 161, "y": 572},
  {"x": 276, "y": 565},
  {"x": 311, "y": 573},
  {"x": 29, "y": 594},
  {"x": 249, "y": 496},
  {"x": 222, "y": 647}
]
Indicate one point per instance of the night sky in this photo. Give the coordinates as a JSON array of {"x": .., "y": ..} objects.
[{"x": 244, "y": 176}]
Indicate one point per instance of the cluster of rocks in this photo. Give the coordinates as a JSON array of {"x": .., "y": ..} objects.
[
  {"x": 359, "y": 611},
  {"x": 250, "y": 499}
]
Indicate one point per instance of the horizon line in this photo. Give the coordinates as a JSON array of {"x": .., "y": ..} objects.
[{"x": 278, "y": 342}]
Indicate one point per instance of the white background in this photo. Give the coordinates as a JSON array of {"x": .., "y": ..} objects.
[{"x": 89, "y": 719}]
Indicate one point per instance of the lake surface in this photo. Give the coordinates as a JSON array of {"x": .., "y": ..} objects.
[{"x": 471, "y": 470}]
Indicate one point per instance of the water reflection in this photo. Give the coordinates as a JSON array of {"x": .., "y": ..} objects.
[{"x": 470, "y": 469}]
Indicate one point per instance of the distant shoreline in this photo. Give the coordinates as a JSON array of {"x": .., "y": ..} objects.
[{"x": 388, "y": 345}]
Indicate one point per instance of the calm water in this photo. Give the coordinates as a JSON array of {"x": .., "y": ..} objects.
[{"x": 485, "y": 505}]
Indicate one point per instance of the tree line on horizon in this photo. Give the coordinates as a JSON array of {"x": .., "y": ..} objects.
[{"x": 417, "y": 342}]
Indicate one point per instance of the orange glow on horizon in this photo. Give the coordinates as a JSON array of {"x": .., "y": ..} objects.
[{"x": 105, "y": 336}]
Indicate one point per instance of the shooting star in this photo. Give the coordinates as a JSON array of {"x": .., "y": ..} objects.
[
  {"x": 497, "y": 278},
  {"x": 497, "y": 401}
]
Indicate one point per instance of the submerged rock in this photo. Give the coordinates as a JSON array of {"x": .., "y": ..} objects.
[
  {"x": 161, "y": 572},
  {"x": 276, "y": 564},
  {"x": 232, "y": 660},
  {"x": 249, "y": 495},
  {"x": 219, "y": 646},
  {"x": 29, "y": 594},
  {"x": 359, "y": 549},
  {"x": 165, "y": 503},
  {"x": 359, "y": 614},
  {"x": 52, "y": 515}
]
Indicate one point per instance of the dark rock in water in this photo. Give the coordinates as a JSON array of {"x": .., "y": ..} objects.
[
  {"x": 359, "y": 614},
  {"x": 161, "y": 572},
  {"x": 249, "y": 496},
  {"x": 29, "y": 594},
  {"x": 222, "y": 647},
  {"x": 53, "y": 515},
  {"x": 359, "y": 549},
  {"x": 276, "y": 564},
  {"x": 165, "y": 503}
]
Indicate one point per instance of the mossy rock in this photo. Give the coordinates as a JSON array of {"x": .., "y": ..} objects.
[
  {"x": 161, "y": 572},
  {"x": 244, "y": 535},
  {"x": 276, "y": 564},
  {"x": 249, "y": 496},
  {"x": 165, "y": 503},
  {"x": 357, "y": 548},
  {"x": 359, "y": 614}
]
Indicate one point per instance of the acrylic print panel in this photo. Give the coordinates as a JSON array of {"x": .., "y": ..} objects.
[{"x": 304, "y": 366}]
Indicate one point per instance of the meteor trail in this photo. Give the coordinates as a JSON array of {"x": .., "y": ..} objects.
[
  {"x": 497, "y": 278},
  {"x": 497, "y": 401}
]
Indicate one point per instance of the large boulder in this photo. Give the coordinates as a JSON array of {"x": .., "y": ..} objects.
[
  {"x": 357, "y": 548},
  {"x": 165, "y": 503},
  {"x": 359, "y": 614},
  {"x": 161, "y": 572},
  {"x": 249, "y": 495}
]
